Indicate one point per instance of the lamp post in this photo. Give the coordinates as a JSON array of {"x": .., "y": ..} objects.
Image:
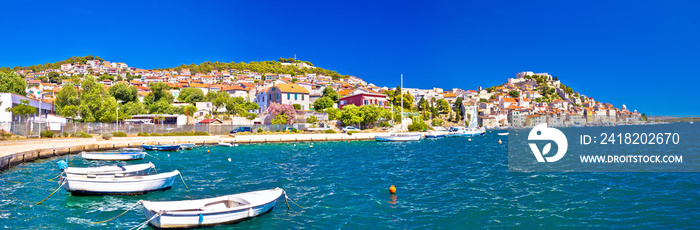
[{"x": 116, "y": 125}]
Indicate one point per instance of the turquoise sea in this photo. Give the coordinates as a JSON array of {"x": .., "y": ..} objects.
[{"x": 445, "y": 184}]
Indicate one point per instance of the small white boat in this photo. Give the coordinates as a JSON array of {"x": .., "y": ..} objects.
[
  {"x": 113, "y": 156},
  {"x": 187, "y": 146},
  {"x": 503, "y": 134},
  {"x": 111, "y": 170},
  {"x": 228, "y": 144},
  {"x": 394, "y": 137},
  {"x": 85, "y": 185},
  {"x": 211, "y": 211}
]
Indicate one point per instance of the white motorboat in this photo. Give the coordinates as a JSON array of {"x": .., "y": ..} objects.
[
  {"x": 398, "y": 137},
  {"x": 211, "y": 211},
  {"x": 134, "y": 185},
  {"x": 228, "y": 144},
  {"x": 111, "y": 170},
  {"x": 113, "y": 156},
  {"x": 187, "y": 146},
  {"x": 503, "y": 134}
]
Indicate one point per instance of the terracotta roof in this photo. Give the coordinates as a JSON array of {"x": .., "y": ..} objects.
[
  {"x": 291, "y": 88},
  {"x": 508, "y": 99}
]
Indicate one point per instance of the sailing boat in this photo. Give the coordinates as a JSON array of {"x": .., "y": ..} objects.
[
  {"x": 394, "y": 137},
  {"x": 691, "y": 120},
  {"x": 473, "y": 129}
]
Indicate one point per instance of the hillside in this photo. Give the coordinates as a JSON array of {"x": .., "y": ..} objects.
[
  {"x": 55, "y": 65},
  {"x": 276, "y": 67}
]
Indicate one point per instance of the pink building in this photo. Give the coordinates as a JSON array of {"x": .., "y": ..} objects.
[{"x": 361, "y": 99}]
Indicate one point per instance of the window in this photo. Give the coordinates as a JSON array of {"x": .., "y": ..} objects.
[
  {"x": 278, "y": 96},
  {"x": 302, "y": 97},
  {"x": 270, "y": 96},
  {"x": 295, "y": 96},
  {"x": 302, "y": 107},
  {"x": 366, "y": 102},
  {"x": 342, "y": 102},
  {"x": 288, "y": 96}
]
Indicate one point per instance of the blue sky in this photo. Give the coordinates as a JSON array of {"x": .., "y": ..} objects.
[{"x": 645, "y": 54}]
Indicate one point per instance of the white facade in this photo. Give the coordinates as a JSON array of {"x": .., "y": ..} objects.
[{"x": 10, "y": 100}]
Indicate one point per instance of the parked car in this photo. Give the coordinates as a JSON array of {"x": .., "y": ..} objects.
[
  {"x": 241, "y": 129},
  {"x": 350, "y": 128}
]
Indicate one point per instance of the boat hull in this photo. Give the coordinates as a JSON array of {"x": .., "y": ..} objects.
[
  {"x": 193, "y": 217},
  {"x": 111, "y": 171},
  {"x": 161, "y": 147},
  {"x": 84, "y": 186},
  {"x": 113, "y": 156},
  {"x": 187, "y": 146},
  {"x": 398, "y": 138}
]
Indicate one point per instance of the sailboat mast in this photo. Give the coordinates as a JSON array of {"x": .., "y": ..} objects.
[{"x": 401, "y": 95}]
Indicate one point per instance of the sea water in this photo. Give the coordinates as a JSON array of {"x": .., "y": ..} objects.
[{"x": 442, "y": 183}]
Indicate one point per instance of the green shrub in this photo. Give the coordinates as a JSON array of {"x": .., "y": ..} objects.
[
  {"x": 419, "y": 127},
  {"x": 296, "y": 106},
  {"x": 106, "y": 136},
  {"x": 47, "y": 134},
  {"x": 384, "y": 124},
  {"x": 260, "y": 130},
  {"x": 144, "y": 134},
  {"x": 201, "y": 133},
  {"x": 351, "y": 132},
  {"x": 119, "y": 134},
  {"x": 155, "y": 134},
  {"x": 82, "y": 134},
  {"x": 330, "y": 131}
]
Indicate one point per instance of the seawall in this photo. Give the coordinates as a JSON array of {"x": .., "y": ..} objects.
[{"x": 13, "y": 153}]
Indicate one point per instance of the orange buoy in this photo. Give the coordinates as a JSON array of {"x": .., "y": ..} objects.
[
  {"x": 392, "y": 189},
  {"x": 499, "y": 141},
  {"x": 207, "y": 151}
]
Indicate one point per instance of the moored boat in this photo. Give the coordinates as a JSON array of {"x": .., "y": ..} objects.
[
  {"x": 228, "y": 144},
  {"x": 187, "y": 146},
  {"x": 111, "y": 170},
  {"x": 434, "y": 135},
  {"x": 211, "y": 211},
  {"x": 113, "y": 156},
  {"x": 81, "y": 185},
  {"x": 161, "y": 147},
  {"x": 503, "y": 134},
  {"x": 398, "y": 137}
]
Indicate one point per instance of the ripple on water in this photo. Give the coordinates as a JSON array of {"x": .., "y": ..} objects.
[{"x": 444, "y": 183}]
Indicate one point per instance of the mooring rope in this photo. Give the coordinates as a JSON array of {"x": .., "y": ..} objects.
[
  {"x": 153, "y": 156},
  {"x": 145, "y": 223},
  {"x": 54, "y": 177},
  {"x": 54, "y": 191},
  {"x": 287, "y": 198},
  {"x": 183, "y": 180},
  {"x": 137, "y": 203}
]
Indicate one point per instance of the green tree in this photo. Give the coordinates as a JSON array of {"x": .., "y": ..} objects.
[
  {"x": 458, "y": 109},
  {"x": 191, "y": 95},
  {"x": 54, "y": 77},
  {"x": 123, "y": 92},
  {"x": 351, "y": 114},
  {"x": 12, "y": 83},
  {"x": 279, "y": 120},
  {"x": 514, "y": 93},
  {"x": 323, "y": 103},
  {"x": 131, "y": 108},
  {"x": 330, "y": 93},
  {"x": 370, "y": 114},
  {"x": 159, "y": 91},
  {"x": 311, "y": 119},
  {"x": 443, "y": 105},
  {"x": 333, "y": 113},
  {"x": 23, "y": 110}
]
